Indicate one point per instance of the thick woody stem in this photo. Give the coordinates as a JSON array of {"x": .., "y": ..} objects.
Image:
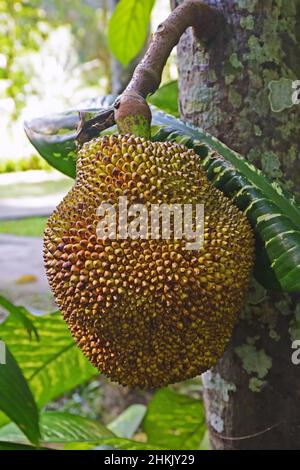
[
  {"x": 205, "y": 21},
  {"x": 132, "y": 113}
]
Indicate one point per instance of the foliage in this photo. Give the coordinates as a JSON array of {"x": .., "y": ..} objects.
[
  {"x": 188, "y": 420},
  {"x": 54, "y": 136},
  {"x": 52, "y": 364},
  {"x": 22, "y": 27},
  {"x": 166, "y": 98},
  {"x": 43, "y": 362},
  {"x": 128, "y": 28},
  {"x": 34, "y": 162},
  {"x": 30, "y": 227},
  {"x": 16, "y": 399},
  {"x": 60, "y": 427},
  {"x": 21, "y": 316},
  {"x": 43, "y": 369},
  {"x": 128, "y": 422},
  {"x": 92, "y": 50},
  {"x": 82, "y": 15}
]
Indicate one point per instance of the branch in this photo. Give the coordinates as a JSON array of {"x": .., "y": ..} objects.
[{"x": 206, "y": 22}]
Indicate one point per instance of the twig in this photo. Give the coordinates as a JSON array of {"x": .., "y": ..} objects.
[
  {"x": 88, "y": 129},
  {"x": 206, "y": 22}
]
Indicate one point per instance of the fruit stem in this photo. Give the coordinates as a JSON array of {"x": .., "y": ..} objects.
[
  {"x": 206, "y": 22},
  {"x": 133, "y": 115},
  {"x": 131, "y": 111}
]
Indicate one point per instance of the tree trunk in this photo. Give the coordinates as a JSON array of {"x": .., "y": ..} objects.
[{"x": 240, "y": 90}]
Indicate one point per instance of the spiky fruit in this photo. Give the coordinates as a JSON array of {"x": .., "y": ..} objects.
[{"x": 147, "y": 312}]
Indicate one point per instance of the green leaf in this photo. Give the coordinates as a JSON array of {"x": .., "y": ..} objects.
[
  {"x": 12, "y": 446},
  {"x": 205, "y": 444},
  {"x": 128, "y": 444},
  {"x": 76, "y": 432},
  {"x": 114, "y": 443},
  {"x": 273, "y": 213},
  {"x": 128, "y": 422},
  {"x": 166, "y": 98},
  {"x": 60, "y": 427},
  {"x": 16, "y": 399},
  {"x": 175, "y": 421},
  {"x": 123, "y": 427},
  {"x": 21, "y": 314},
  {"x": 55, "y": 144},
  {"x": 128, "y": 28},
  {"x": 116, "y": 435},
  {"x": 54, "y": 136},
  {"x": 54, "y": 364}
]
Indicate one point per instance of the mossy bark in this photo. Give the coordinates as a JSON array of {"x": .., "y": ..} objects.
[{"x": 240, "y": 89}]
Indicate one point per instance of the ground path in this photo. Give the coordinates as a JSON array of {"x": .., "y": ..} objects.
[{"x": 22, "y": 277}]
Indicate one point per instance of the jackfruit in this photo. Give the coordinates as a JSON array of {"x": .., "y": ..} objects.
[{"x": 147, "y": 312}]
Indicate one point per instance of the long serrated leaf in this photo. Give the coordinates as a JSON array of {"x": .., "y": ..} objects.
[
  {"x": 255, "y": 176},
  {"x": 16, "y": 399},
  {"x": 273, "y": 213},
  {"x": 128, "y": 28}
]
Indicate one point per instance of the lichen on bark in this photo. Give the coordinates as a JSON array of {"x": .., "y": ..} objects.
[
  {"x": 236, "y": 88},
  {"x": 225, "y": 87}
]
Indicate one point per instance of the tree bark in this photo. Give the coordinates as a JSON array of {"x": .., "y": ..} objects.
[{"x": 240, "y": 90}]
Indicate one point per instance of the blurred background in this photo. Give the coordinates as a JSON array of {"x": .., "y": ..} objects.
[{"x": 54, "y": 55}]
